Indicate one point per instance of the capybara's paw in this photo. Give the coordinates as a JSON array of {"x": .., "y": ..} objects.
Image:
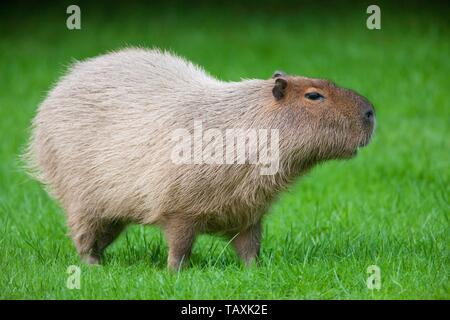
[
  {"x": 92, "y": 260},
  {"x": 176, "y": 266}
]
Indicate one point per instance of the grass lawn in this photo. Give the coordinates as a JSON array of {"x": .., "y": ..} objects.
[{"x": 388, "y": 207}]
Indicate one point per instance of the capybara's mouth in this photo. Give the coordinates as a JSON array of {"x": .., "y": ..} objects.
[
  {"x": 363, "y": 144},
  {"x": 354, "y": 152},
  {"x": 366, "y": 138}
]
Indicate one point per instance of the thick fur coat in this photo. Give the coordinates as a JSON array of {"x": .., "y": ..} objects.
[{"x": 103, "y": 137}]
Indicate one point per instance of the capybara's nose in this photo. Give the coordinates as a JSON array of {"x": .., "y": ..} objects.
[{"x": 368, "y": 113}]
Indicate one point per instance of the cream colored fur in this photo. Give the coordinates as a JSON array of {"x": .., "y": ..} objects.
[{"x": 101, "y": 143}]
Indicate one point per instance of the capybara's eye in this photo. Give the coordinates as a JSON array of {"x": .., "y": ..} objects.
[{"x": 314, "y": 96}]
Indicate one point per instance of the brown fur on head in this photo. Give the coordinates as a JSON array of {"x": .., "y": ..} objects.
[{"x": 330, "y": 122}]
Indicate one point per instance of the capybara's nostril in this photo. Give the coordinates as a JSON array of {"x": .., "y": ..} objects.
[{"x": 369, "y": 115}]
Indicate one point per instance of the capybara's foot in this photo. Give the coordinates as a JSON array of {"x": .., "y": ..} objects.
[
  {"x": 92, "y": 237},
  {"x": 175, "y": 263},
  {"x": 92, "y": 259},
  {"x": 247, "y": 244}
]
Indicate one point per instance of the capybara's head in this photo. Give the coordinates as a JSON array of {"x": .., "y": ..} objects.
[{"x": 331, "y": 122}]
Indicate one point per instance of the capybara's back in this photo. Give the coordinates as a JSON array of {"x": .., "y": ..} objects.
[{"x": 103, "y": 144}]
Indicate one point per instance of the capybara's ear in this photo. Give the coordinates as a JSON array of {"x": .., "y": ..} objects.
[
  {"x": 279, "y": 73},
  {"x": 279, "y": 88}
]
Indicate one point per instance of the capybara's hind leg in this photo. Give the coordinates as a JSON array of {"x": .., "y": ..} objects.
[
  {"x": 91, "y": 236},
  {"x": 247, "y": 244},
  {"x": 106, "y": 235},
  {"x": 84, "y": 234},
  {"x": 180, "y": 236}
]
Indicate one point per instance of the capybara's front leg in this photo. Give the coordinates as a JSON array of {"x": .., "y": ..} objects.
[
  {"x": 180, "y": 236},
  {"x": 247, "y": 244}
]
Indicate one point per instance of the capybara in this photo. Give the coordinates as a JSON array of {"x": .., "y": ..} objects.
[{"x": 103, "y": 144}]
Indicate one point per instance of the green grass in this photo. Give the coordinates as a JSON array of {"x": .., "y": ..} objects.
[{"x": 388, "y": 207}]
